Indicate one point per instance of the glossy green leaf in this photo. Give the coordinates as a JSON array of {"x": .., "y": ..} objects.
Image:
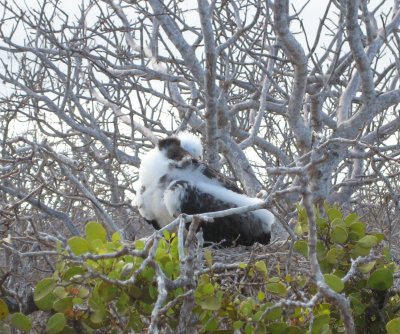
[
  {"x": 321, "y": 324},
  {"x": 116, "y": 236},
  {"x": 260, "y": 296},
  {"x": 367, "y": 267},
  {"x": 63, "y": 304},
  {"x": 246, "y": 307},
  {"x": 261, "y": 267},
  {"x": 333, "y": 213},
  {"x": 334, "y": 282},
  {"x": 207, "y": 289},
  {"x": 78, "y": 245},
  {"x": 334, "y": 255},
  {"x": 94, "y": 231},
  {"x": 321, "y": 222},
  {"x": 301, "y": 246},
  {"x": 393, "y": 326},
  {"x": 351, "y": 218},
  {"x": 274, "y": 314},
  {"x": 211, "y": 326},
  {"x": 56, "y": 323},
  {"x": 238, "y": 324},
  {"x": 359, "y": 251},
  {"x": 46, "y": 303},
  {"x": 276, "y": 288},
  {"x": 277, "y": 328},
  {"x": 73, "y": 271},
  {"x": 67, "y": 330},
  {"x": 368, "y": 241},
  {"x": 381, "y": 279},
  {"x": 44, "y": 288},
  {"x": 21, "y": 322},
  {"x": 338, "y": 222},
  {"x": 249, "y": 329},
  {"x": 339, "y": 234},
  {"x": 211, "y": 303},
  {"x": 3, "y": 309},
  {"x": 358, "y": 228},
  {"x": 167, "y": 235},
  {"x": 321, "y": 250}
]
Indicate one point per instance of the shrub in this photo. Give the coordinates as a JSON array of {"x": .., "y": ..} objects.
[{"x": 116, "y": 287}]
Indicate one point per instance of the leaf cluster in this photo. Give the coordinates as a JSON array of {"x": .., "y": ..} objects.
[{"x": 98, "y": 286}]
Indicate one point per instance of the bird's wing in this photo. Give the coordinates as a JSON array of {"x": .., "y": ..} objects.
[
  {"x": 191, "y": 164},
  {"x": 221, "y": 178},
  {"x": 182, "y": 196}
]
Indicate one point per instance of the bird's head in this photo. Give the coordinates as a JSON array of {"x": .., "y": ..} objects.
[
  {"x": 191, "y": 144},
  {"x": 176, "y": 148}
]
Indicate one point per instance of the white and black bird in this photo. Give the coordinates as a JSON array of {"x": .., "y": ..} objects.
[{"x": 174, "y": 180}]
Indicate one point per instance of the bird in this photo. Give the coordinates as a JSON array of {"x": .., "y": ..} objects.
[{"x": 173, "y": 180}]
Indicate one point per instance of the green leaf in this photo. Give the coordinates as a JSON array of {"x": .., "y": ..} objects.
[
  {"x": 238, "y": 324},
  {"x": 56, "y": 323},
  {"x": 339, "y": 234},
  {"x": 301, "y": 246},
  {"x": 321, "y": 222},
  {"x": 357, "y": 305},
  {"x": 293, "y": 330},
  {"x": 63, "y": 304},
  {"x": 211, "y": 303},
  {"x": 321, "y": 324},
  {"x": 77, "y": 300},
  {"x": 277, "y": 328},
  {"x": 321, "y": 250},
  {"x": 246, "y": 307},
  {"x": 358, "y": 228},
  {"x": 338, "y": 222},
  {"x": 359, "y": 251},
  {"x": 261, "y": 267},
  {"x": 333, "y": 213},
  {"x": 211, "y": 326},
  {"x": 94, "y": 231},
  {"x": 242, "y": 265},
  {"x": 274, "y": 314},
  {"x": 368, "y": 241},
  {"x": 46, "y": 303},
  {"x": 207, "y": 289},
  {"x": 260, "y": 296},
  {"x": 44, "y": 288},
  {"x": 3, "y": 309},
  {"x": 73, "y": 271},
  {"x": 351, "y": 218},
  {"x": 67, "y": 330},
  {"x": 249, "y": 329},
  {"x": 21, "y": 322},
  {"x": 381, "y": 279},
  {"x": 167, "y": 235},
  {"x": 60, "y": 292},
  {"x": 78, "y": 245},
  {"x": 393, "y": 326},
  {"x": 334, "y": 282},
  {"x": 367, "y": 267},
  {"x": 333, "y": 255},
  {"x": 116, "y": 236},
  {"x": 276, "y": 288}
]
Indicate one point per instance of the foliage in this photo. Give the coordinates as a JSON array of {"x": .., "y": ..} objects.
[
  {"x": 98, "y": 285},
  {"x": 341, "y": 240}
]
